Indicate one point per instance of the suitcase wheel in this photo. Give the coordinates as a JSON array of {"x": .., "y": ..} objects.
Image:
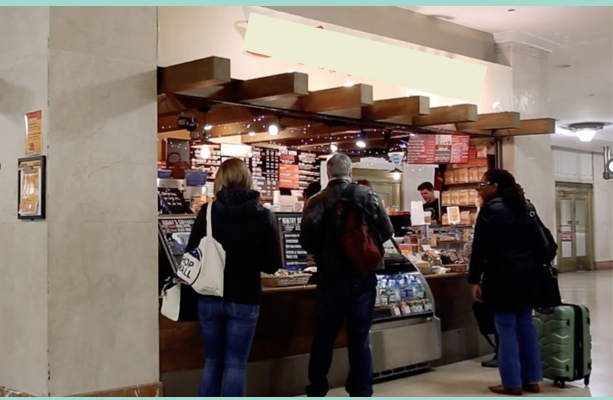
[
  {"x": 559, "y": 383},
  {"x": 586, "y": 381}
]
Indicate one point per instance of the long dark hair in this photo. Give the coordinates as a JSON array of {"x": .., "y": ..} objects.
[{"x": 510, "y": 191}]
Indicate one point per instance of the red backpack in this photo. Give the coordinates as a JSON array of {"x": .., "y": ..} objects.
[{"x": 358, "y": 240}]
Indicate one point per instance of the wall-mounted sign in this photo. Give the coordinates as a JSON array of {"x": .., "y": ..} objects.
[
  {"x": 438, "y": 149},
  {"x": 32, "y": 187},
  {"x": 34, "y": 133}
]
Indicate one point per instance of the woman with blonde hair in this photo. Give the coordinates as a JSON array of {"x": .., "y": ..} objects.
[{"x": 248, "y": 233}]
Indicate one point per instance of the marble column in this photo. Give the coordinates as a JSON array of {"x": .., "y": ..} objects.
[
  {"x": 80, "y": 288},
  {"x": 530, "y": 158}
]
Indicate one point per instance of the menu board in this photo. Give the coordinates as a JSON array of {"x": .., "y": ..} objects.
[
  {"x": 174, "y": 234},
  {"x": 289, "y": 171},
  {"x": 264, "y": 166},
  {"x": 289, "y": 228},
  {"x": 309, "y": 169},
  {"x": 206, "y": 157},
  {"x": 171, "y": 201},
  {"x": 438, "y": 149},
  {"x": 476, "y": 158}
]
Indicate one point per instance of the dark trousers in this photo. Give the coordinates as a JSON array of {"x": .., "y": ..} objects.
[
  {"x": 350, "y": 300},
  {"x": 227, "y": 333}
]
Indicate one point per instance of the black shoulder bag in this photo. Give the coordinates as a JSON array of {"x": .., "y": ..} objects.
[{"x": 546, "y": 249}]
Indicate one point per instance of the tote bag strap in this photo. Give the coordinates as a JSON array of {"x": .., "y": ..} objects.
[{"x": 209, "y": 220}]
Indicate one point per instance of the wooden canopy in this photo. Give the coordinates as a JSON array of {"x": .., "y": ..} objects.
[{"x": 203, "y": 90}]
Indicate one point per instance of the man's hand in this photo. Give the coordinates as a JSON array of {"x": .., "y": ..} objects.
[{"x": 477, "y": 295}]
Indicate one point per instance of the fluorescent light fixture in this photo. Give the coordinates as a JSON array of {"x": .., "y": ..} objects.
[
  {"x": 208, "y": 127},
  {"x": 273, "y": 130},
  {"x": 586, "y": 135},
  {"x": 361, "y": 144}
]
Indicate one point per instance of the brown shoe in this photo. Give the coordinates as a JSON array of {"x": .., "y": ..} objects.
[
  {"x": 532, "y": 388},
  {"x": 506, "y": 391}
]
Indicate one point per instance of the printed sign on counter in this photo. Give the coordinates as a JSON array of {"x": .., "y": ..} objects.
[{"x": 31, "y": 189}]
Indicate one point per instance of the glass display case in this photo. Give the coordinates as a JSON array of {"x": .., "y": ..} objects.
[{"x": 406, "y": 334}]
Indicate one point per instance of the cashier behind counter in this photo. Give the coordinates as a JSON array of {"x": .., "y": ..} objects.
[{"x": 431, "y": 203}]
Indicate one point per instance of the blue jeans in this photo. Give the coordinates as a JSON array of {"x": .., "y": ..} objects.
[
  {"x": 519, "y": 356},
  {"x": 353, "y": 300},
  {"x": 227, "y": 333}
]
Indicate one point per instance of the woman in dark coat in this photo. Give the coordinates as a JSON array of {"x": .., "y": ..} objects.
[{"x": 505, "y": 276}]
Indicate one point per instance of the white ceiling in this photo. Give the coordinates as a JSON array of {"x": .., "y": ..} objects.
[{"x": 582, "y": 37}]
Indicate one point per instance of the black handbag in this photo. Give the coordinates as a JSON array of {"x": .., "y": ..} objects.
[{"x": 546, "y": 249}]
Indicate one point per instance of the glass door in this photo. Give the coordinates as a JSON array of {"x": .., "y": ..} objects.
[{"x": 574, "y": 229}]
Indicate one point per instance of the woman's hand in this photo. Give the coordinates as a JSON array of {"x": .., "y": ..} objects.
[{"x": 477, "y": 295}]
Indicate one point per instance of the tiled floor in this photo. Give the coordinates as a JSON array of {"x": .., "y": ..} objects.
[{"x": 469, "y": 379}]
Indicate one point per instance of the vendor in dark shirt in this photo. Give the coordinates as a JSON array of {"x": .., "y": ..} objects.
[{"x": 431, "y": 203}]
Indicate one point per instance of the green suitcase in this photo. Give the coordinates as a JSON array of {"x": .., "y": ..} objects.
[{"x": 566, "y": 344}]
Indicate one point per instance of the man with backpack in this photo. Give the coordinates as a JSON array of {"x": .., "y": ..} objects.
[{"x": 344, "y": 227}]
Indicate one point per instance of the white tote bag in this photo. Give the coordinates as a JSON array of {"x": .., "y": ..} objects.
[
  {"x": 171, "y": 301},
  {"x": 203, "y": 268}
]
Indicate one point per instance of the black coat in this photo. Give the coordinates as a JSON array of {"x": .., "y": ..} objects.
[
  {"x": 504, "y": 259},
  {"x": 248, "y": 233},
  {"x": 321, "y": 233}
]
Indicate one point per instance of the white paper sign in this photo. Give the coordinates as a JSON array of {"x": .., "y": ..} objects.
[
  {"x": 453, "y": 213},
  {"x": 418, "y": 217}
]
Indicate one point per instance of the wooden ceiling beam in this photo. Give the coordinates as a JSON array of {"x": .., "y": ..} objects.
[
  {"x": 401, "y": 110},
  {"x": 198, "y": 74},
  {"x": 262, "y": 91},
  {"x": 343, "y": 101},
  {"x": 448, "y": 115},
  {"x": 297, "y": 135},
  {"x": 503, "y": 120},
  {"x": 527, "y": 127}
]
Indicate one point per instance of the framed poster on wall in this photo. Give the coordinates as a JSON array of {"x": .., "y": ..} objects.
[{"x": 31, "y": 191}]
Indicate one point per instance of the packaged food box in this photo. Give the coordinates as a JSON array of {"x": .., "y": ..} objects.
[
  {"x": 482, "y": 171},
  {"x": 445, "y": 219},
  {"x": 481, "y": 151},
  {"x": 449, "y": 177},
  {"x": 454, "y": 198},
  {"x": 464, "y": 198},
  {"x": 473, "y": 175},
  {"x": 457, "y": 177},
  {"x": 473, "y": 197},
  {"x": 463, "y": 175},
  {"x": 445, "y": 200},
  {"x": 465, "y": 218}
]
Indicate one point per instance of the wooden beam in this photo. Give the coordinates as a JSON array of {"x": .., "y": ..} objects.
[
  {"x": 542, "y": 126},
  {"x": 503, "y": 120},
  {"x": 448, "y": 115},
  {"x": 401, "y": 110},
  {"x": 196, "y": 74},
  {"x": 264, "y": 91},
  {"x": 342, "y": 101}
]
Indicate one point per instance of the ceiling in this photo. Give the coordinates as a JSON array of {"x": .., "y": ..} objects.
[{"x": 581, "y": 37}]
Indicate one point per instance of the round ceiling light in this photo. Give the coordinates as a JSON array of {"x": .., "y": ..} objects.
[
  {"x": 273, "y": 130},
  {"x": 361, "y": 144},
  {"x": 586, "y": 131}
]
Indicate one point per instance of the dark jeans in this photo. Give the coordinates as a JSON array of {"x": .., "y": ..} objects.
[
  {"x": 351, "y": 300},
  {"x": 519, "y": 356},
  {"x": 227, "y": 333}
]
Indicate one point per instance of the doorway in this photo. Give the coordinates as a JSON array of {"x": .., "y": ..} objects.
[{"x": 574, "y": 227}]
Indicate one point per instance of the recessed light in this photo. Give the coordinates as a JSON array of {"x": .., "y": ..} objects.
[
  {"x": 564, "y": 66},
  {"x": 208, "y": 127},
  {"x": 511, "y": 10},
  {"x": 361, "y": 144},
  {"x": 349, "y": 84},
  {"x": 251, "y": 133},
  {"x": 590, "y": 95}
]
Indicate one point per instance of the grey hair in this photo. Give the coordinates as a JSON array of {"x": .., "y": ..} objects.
[{"x": 339, "y": 166}]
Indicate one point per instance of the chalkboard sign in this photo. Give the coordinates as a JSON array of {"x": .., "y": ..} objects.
[
  {"x": 174, "y": 234},
  {"x": 294, "y": 257},
  {"x": 172, "y": 202}
]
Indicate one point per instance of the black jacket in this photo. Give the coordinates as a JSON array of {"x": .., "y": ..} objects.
[
  {"x": 504, "y": 259},
  {"x": 320, "y": 231},
  {"x": 248, "y": 233}
]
